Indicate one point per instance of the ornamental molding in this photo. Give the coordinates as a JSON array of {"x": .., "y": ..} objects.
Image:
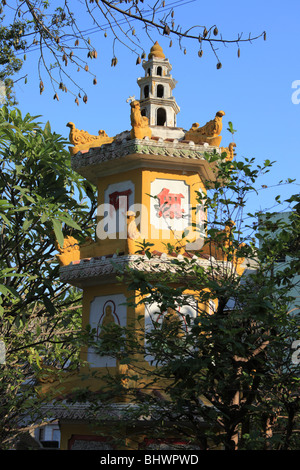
[
  {"x": 84, "y": 411},
  {"x": 120, "y": 149},
  {"x": 104, "y": 268},
  {"x": 77, "y": 411}
]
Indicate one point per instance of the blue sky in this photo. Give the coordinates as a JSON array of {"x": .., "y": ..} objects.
[{"x": 255, "y": 90}]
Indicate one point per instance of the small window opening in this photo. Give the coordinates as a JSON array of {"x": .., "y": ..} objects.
[
  {"x": 160, "y": 91},
  {"x": 159, "y": 71},
  {"x": 161, "y": 117},
  {"x": 146, "y": 91}
]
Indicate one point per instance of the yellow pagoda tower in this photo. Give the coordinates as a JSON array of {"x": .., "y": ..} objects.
[{"x": 147, "y": 179}]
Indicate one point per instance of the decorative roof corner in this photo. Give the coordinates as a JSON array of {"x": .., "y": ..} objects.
[{"x": 82, "y": 141}]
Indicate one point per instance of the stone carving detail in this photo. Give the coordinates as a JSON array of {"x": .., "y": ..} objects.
[
  {"x": 140, "y": 124},
  {"x": 172, "y": 322},
  {"x": 106, "y": 266},
  {"x": 107, "y": 317},
  {"x": 105, "y": 311},
  {"x": 226, "y": 241},
  {"x": 209, "y": 133},
  {"x": 145, "y": 147},
  {"x": 69, "y": 252},
  {"x": 133, "y": 234},
  {"x": 47, "y": 374},
  {"x": 230, "y": 151},
  {"x": 82, "y": 140}
]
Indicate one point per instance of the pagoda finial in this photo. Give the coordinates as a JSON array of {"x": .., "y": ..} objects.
[{"x": 156, "y": 51}]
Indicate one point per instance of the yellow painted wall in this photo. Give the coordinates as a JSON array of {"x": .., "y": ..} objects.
[
  {"x": 142, "y": 179},
  {"x": 162, "y": 237}
]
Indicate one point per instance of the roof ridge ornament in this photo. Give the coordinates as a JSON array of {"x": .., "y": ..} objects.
[
  {"x": 82, "y": 140},
  {"x": 209, "y": 133},
  {"x": 130, "y": 99},
  {"x": 139, "y": 123}
]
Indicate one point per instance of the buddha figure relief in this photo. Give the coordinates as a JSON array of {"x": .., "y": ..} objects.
[
  {"x": 172, "y": 323},
  {"x": 107, "y": 318}
]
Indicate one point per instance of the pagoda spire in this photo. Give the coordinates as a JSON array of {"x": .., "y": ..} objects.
[{"x": 156, "y": 100}]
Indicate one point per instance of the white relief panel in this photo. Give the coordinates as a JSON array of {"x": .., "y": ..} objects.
[
  {"x": 119, "y": 197},
  {"x": 170, "y": 204},
  {"x": 103, "y": 310}
]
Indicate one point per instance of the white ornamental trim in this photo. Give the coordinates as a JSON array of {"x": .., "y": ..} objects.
[
  {"x": 95, "y": 267},
  {"x": 175, "y": 148},
  {"x": 84, "y": 411}
]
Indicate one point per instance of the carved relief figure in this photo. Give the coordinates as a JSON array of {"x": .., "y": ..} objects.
[
  {"x": 230, "y": 151},
  {"x": 172, "y": 323},
  {"x": 106, "y": 318},
  {"x": 209, "y": 133},
  {"x": 237, "y": 260},
  {"x": 133, "y": 234},
  {"x": 140, "y": 124},
  {"x": 82, "y": 140},
  {"x": 69, "y": 252},
  {"x": 105, "y": 311}
]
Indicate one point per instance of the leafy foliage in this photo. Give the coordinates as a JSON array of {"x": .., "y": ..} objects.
[
  {"x": 40, "y": 317},
  {"x": 11, "y": 43},
  {"x": 230, "y": 379},
  {"x": 62, "y": 33}
]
